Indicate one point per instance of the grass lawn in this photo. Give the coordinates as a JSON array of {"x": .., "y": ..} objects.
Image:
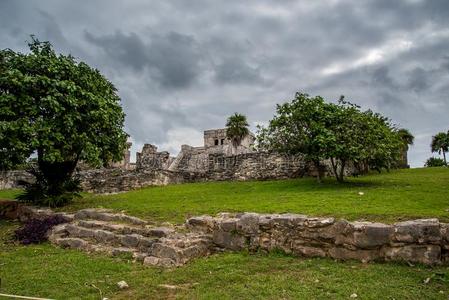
[
  {"x": 47, "y": 271},
  {"x": 387, "y": 197}
]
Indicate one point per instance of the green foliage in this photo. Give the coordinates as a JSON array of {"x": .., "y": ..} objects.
[
  {"x": 406, "y": 137},
  {"x": 45, "y": 192},
  {"x": 237, "y": 128},
  {"x": 339, "y": 132},
  {"x": 440, "y": 144},
  {"x": 435, "y": 162},
  {"x": 60, "y": 109}
]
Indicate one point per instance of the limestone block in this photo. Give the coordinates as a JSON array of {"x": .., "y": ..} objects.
[
  {"x": 418, "y": 231},
  {"x": 248, "y": 223},
  {"x": 160, "y": 231},
  {"x": 444, "y": 232},
  {"x": 309, "y": 251},
  {"x": 103, "y": 236},
  {"x": 164, "y": 251},
  {"x": 426, "y": 254},
  {"x": 288, "y": 220},
  {"x": 201, "y": 223},
  {"x": 319, "y": 222},
  {"x": 359, "y": 254},
  {"x": 130, "y": 240},
  {"x": 370, "y": 235},
  {"x": 228, "y": 224},
  {"x": 229, "y": 240}
]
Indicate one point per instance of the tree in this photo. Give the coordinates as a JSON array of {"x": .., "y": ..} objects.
[
  {"x": 406, "y": 137},
  {"x": 440, "y": 144},
  {"x": 237, "y": 129},
  {"x": 61, "y": 110},
  {"x": 299, "y": 127},
  {"x": 434, "y": 162},
  {"x": 340, "y": 133}
]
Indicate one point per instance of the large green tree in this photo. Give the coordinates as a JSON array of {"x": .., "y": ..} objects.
[
  {"x": 340, "y": 133},
  {"x": 237, "y": 129},
  {"x": 61, "y": 110},
  {"x": 440, "y": 144}
]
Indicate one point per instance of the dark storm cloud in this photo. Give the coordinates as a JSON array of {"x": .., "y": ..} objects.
[
  {"x": 184, "y": 66},
  {"x": 173, "y": 59}
]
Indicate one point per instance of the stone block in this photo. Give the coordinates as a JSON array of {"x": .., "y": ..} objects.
[
  {"x": 229, "y": 240},
  {"x": 288, "y": 220},
  {"x": 319, "y": 222},
  {"x": 371, "y": 235},
  {"x": 309, "y": 251},
  {"x": 444, "y": 229},
  {"x": 228, "y": 224},
  {"x": 418, "y": 231},
  {"x": 359, "y": 254},
  {"x": 160, "y": 231},
  {"x": 104, "y": 236},
  {"x": 248, "y": 223},
  {"x": 201, "y": 223},
  {"x": 425, "y": 254},
  {"x": 130, "y": 240}
]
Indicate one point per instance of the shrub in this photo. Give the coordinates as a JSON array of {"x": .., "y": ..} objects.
[
  {"x": 34, "y": 231},
  {"x": 434, "y": 162},
  {"x": 44, "y": 193}
]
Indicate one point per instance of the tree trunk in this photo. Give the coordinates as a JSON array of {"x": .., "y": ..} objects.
[
  {"x": 334, "y": 167},
  {"x": 342, "y": 171},
  {"x": 444, "y": 157},
  {"x": 56, "y": 174},
  {"x": 317, "y": 166}
]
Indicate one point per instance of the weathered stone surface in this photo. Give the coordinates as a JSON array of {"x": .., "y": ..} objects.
[
  {"x": 426, "y": 254},
  {"x": 309, "y": 251},
  {"x": 359, "y": 254},
  {"x": 104, "y": 236},
  {"x": 418, "y": 231},
  {"x": 371, "y": 235},
  {"x": 248, "y": 223},
  {"x": 160, "y": 231},
  {"x": 201, "y": 223},
  {"x": 422, "y": 241},
  {"x": 129, "y": 240},
  {"x": 9, "y": 209},
  {"x": 229, "y": 240}
]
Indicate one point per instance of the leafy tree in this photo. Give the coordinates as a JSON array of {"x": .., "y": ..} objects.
[
  {"x": 340, "y": 133},
  {"x": 434, "y": 162},
  {"x": 300, "y": 127},
  {"x": 440, "y": 144},
  {"x": 237, "y": 129},
  {"x": 61, "y": 110}
]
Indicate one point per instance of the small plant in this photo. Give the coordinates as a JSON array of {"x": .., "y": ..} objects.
[
  {"x": 435, "y": 162},
  {"x": 34, "y": 231}
]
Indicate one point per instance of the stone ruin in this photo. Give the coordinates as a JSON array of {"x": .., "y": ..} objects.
[
  {"x": 216, "y": 160},
  {"x": 424, "y": 241}
]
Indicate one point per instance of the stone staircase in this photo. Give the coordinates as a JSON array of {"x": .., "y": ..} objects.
[{"x": 95, "y": 230}]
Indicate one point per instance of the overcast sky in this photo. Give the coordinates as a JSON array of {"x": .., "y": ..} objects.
[{"x": 183, "y": 66}]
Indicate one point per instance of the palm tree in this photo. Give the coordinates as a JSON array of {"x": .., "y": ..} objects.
[
  {"x": 406, "y": 137},
  {"x": 237, "y": 129},
  {"x": 407, "y": 140},
  {"x": 440, "y": 144}
]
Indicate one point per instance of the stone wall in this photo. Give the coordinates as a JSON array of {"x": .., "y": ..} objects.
[
  {"x": 151, "y": 159},
  {"x": 422, "y": 241},
  {"x": 119, "y": 180},
  {"x": 11, "y": 179},
  {"x": 256, "y": 165}
]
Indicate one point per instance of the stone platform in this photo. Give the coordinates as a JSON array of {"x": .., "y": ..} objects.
[{"x": 423, "y": 241}]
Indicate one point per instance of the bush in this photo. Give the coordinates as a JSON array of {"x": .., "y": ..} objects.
[
  {"x": 43, "y": 193},
  {"x": 434, "y": 162},
  {"x": 34, "y": 231}
]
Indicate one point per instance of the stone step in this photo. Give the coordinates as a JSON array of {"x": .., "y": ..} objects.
[
  {"x": 146, "y": 230},
  {"x": 107, "y": 215},
  {"x": 105, "y": 237},
  {"x": 81, "y": 244}
]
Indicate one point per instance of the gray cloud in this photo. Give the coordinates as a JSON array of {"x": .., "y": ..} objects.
[{"x": 183, "y": 66}]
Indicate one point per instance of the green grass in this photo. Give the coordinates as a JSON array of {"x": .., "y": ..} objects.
[
  {"x": 47, "y": 271},
  {"x": 388, "y": 197}
]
